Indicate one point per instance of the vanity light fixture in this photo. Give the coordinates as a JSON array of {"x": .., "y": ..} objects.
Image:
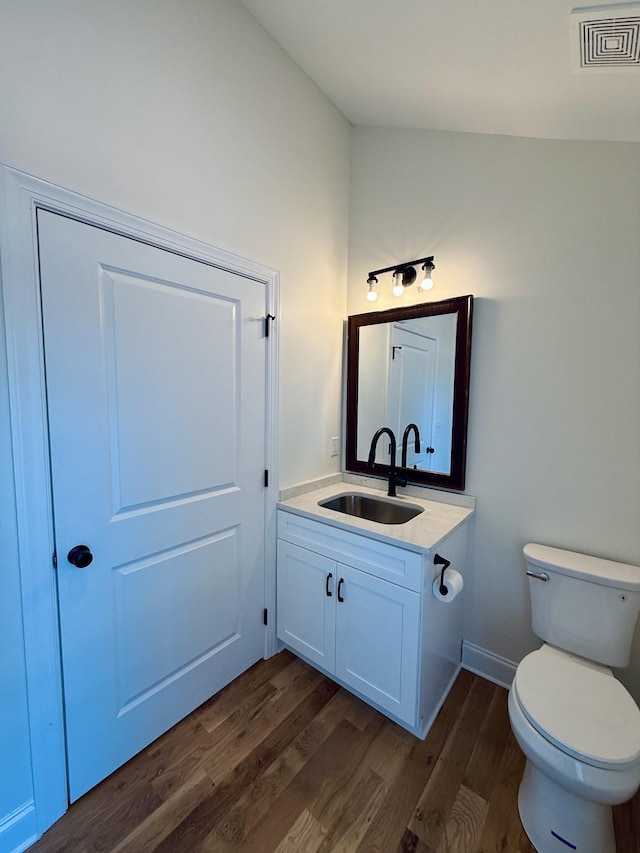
[{"x": 404, "y": 275}]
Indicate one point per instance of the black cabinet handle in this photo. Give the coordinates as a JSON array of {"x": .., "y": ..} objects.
[
  {"x": 340, "y": 582},
  {"x": 80, "y": 557},
  {"x": 326, "y": 586}
]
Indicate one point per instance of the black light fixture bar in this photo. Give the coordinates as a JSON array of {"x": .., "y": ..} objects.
[{"x": 402, "y": 266}]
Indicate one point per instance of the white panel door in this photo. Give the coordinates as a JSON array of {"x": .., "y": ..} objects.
[
  {"x": 155, "y": 368},
  {"x": 411, "y": 389},
  {"x": 377, "y": 640},
  {"x": 306, "y": 603}
]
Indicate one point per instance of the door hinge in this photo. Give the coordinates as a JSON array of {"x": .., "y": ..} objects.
[
  {"x": 265, "y": 616},
  {"x": 266, "y": 477},
  {"x": 267, "y": 324},
  {"x": 54, "y": 559}
]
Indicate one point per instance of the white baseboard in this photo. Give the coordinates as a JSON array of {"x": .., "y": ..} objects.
[{"x": 487, "y": 664}]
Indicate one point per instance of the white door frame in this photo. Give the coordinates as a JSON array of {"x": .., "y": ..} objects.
[{"x": 21, "y": 196}]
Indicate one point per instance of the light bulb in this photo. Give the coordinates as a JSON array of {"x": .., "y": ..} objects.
[
  {"x": 427, "y": 281},
  {"x": 398, "y": 289},
  {"x": 372, "y": 295}
]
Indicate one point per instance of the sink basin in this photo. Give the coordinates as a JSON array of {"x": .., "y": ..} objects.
[{"x": 373, "y": 509}]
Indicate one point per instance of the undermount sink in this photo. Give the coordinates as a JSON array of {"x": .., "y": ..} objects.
[{"x": 373, "y": 509}]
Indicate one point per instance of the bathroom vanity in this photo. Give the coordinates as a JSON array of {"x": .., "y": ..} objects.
[{"x": 355, "y": 599}]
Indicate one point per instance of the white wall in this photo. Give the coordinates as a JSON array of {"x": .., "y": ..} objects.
[
  {"x": 187, "y": 114},
  {"x": 546, "y": 235}
]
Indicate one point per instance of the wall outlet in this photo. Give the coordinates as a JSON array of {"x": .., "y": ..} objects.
[{"x": 335, "y": 446}]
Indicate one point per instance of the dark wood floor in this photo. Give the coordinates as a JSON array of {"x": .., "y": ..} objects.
[{"x": 283, "y": 759}]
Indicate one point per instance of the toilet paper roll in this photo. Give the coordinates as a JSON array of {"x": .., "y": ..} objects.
[{"x": 453, "y": 583}]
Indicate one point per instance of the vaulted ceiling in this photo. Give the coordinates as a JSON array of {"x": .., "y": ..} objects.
[{"x": 482, "y": 66}]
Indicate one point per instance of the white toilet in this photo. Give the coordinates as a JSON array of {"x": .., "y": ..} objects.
[{"x": 577, "y": 725}]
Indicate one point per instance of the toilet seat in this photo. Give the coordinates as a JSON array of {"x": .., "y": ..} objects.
[{"x": 580, "y": 707}]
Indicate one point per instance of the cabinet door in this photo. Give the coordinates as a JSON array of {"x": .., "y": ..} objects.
[
  {"x": 377, "y": 640},
  {"x": 306, "y": 604}
]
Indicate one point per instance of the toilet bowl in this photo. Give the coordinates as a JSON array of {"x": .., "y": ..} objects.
[
  {"x": 577, "y": 725},
  {"x": 582, "y": 757}
]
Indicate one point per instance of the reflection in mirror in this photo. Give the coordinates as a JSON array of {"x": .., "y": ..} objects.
[
  {"x": 417, "y": 359},
  {"x": 411, "y": 366}
]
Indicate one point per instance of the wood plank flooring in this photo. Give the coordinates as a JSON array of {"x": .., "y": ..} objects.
[{"x": 284, "y": 760}]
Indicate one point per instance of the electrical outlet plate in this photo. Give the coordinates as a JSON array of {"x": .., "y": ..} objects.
[{"x": 335, "y": 446}]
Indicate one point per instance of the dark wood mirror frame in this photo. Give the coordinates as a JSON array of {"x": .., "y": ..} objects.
[{"x": 462, "y": 306}]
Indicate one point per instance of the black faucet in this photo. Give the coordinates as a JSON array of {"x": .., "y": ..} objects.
[
  {"x": 405, "y": 440},
  {"x": 394, "y": 479}
]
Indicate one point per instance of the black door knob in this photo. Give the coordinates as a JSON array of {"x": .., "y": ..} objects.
[{"x": 80, "y": 557}]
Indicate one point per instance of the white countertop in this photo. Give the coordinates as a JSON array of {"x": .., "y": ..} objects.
[{"x": 421, "y": 533}]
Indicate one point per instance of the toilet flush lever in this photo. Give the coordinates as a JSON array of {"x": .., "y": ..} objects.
[{"x": 541, "y": 576}]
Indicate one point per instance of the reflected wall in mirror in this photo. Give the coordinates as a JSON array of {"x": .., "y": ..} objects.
[{"x": 411, "y": 365}]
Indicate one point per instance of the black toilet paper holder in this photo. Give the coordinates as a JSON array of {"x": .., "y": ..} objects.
[{"x": 442, "y": 561}]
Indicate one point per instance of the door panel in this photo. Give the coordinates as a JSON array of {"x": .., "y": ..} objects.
[
  {"x": 173, "y": 589},
  {"x": 155, "y": 368},
  {"x": 147, "y": 365}
]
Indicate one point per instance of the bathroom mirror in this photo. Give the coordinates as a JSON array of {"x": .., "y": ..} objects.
[{"x": 411, "y": 365}]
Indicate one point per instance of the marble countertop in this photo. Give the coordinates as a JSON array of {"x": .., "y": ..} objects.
[{"x": 421, "y": 533}]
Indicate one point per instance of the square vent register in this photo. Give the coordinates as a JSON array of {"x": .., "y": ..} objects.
[{"x": 606, "y": 38}]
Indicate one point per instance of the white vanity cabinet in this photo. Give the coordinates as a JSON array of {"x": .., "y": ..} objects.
[
  {"x": 355, "y": 626},
  {"x": 361, "y": 610}
]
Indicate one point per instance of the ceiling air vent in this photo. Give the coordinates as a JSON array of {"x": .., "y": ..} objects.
[{"x": 606, "y": 38}]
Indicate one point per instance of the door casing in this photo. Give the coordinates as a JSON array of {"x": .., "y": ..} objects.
[{"x": 22, "y": 195}]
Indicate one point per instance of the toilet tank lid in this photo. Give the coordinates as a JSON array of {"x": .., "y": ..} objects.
[{"x": 606, "y": 572}]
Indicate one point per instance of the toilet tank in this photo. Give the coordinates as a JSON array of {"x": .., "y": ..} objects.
[{"x": 587, "y": 606}]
